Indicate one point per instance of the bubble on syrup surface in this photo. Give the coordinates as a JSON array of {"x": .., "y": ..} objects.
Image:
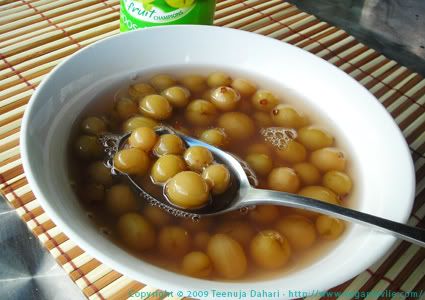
[{"x": 278, "y": 137}]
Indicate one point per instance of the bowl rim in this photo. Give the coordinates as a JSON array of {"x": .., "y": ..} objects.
[{"x": 180, "y": 282}]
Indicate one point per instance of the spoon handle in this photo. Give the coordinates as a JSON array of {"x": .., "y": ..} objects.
[{"x": 403, "y": 231}]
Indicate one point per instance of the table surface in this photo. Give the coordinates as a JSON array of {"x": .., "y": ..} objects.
[{"x": 394, "y": 27}]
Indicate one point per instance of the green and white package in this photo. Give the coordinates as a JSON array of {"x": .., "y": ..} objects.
[{"x": 137, "y": 14}]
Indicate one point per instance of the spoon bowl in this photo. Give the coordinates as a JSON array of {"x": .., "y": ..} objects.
[{"x": 241, "y": 177}]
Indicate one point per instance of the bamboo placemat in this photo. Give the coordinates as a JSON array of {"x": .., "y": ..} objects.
[{"x": 36, "y": 35}]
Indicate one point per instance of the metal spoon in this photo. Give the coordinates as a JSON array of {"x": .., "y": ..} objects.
[{"x": 242, "y": 194}]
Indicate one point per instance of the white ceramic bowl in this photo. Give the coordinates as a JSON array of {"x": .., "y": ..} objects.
[{"x": 384, "y": 164}]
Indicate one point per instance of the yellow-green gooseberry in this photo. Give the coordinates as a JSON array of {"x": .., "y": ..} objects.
[
  {"x": 156, "y": 215},
  {"x": 227, "y": 255},
  {"x": 284, "y": 179},
  {"x": 166, "y": 167},
  {"x": 240, "y": 231},
  {"x": 217, "y": 79},
  {"x": 264, "y": 214},
  {"x": 177, "y": 96},
  {"x": 197, "y": 264},
  {"x": 337, "y": 181},
  {"x": 139, "y": 90},
  {"x": 215, "y": 136},
  {"x": 93, "y": 125},
  {"x": 131, "y": 161},
  {"x": 136, "y": 231},
  {"x": 262, "y": 164},
  {"x": 328, "y": 159},
  {"x": 143, "y": 138},
  {"x": 262, "y": 119},
  {"x": 259, "y": 148},
  {"x": 162, "y": 81},
  {"x": 201, "y": 112},
  {"x": 237, "y": 125},
  {"x": 293, "y": 152},
  {"x": 126, "y": 108},
  {"x": 156, "y": 107},
  {"x": 225, "y": 98},
  {"x": 195, "y": 83},
  {"x": 197, "y": 157},
  {"x": 244, "y": 86},
  {"x": 138, "y": 121},
  {"x": 264, "y": 100},
  {"x": 169, "y": 144},
  {"x": 288, "y": 116},
  {"x": 174, "y": 241},
  {"x": 217, "y": 177},
  {"x": 120, "y": 200},
  {"x": 313, "y": 137},
  {"x": 97, "y": 172},
  {"x": 88, "y": 147},
  {"x": 187, "y": 190},
  {"x": 270, "y": 249},
  {"x": 307, "y": 173},
  {"x": 299, "y": 230},
  {"x": 329, "y": 228}
]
